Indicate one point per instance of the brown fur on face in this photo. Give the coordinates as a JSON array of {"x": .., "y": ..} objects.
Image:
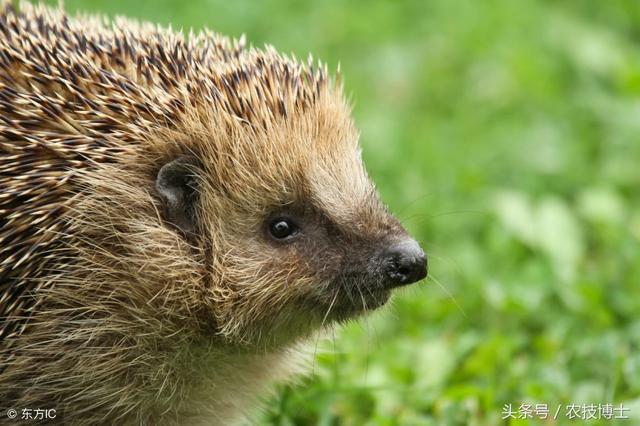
[
  {"x": 115, "y": 307},
  {"x": 305, "y": 166}
]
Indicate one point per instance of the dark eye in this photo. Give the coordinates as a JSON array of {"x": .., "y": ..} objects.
[{"x": 282, "y": 228}]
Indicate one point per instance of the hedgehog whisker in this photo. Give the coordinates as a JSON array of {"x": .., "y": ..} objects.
[
  {"x": 412, "y": 202},
  {"x": 444, "y": 289},
  {"x": 335, "y": 296},
  {"x": 366, "y": 321},
  {"x": 315, "y": 349},
  {"x": 427, "y": 216}
]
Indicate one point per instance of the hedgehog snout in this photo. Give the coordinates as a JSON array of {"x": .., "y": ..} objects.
[{"x": 403, "y": 263}]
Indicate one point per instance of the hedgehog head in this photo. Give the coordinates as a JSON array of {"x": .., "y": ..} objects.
[{"x": 273, "y": 183}]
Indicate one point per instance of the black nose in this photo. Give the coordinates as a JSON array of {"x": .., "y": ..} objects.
[{"x": 404, "y": 263}]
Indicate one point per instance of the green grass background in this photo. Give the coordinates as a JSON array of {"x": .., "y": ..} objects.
[{"x": 505, "y": 135}]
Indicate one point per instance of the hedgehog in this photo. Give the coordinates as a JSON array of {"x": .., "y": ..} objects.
[{"x": 180, "y": 214}]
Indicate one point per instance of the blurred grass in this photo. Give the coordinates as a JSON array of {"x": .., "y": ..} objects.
[{"x": 505, "y": 135}]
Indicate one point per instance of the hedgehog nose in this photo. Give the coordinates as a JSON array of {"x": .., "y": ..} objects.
[{"x": 404, "y": 263}]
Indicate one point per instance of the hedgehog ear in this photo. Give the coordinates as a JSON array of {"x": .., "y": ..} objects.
[{"x": 177, "y": 185}]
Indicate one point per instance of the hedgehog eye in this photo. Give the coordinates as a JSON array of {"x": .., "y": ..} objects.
[{"x": 283, "y": 228}]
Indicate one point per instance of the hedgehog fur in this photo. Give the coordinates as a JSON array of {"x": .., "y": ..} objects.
[{"x": 116, "y": 303}]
